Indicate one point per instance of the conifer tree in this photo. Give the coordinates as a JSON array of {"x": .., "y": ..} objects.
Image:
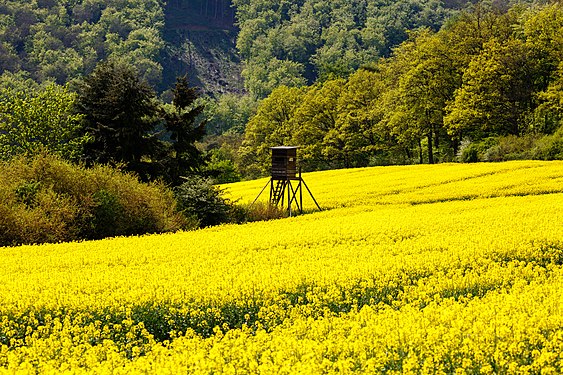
[
  {"x": 183, "y": 122},
  {"x": 119, "y": 112}
]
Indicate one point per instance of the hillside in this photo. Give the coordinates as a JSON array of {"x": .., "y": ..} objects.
[
  {"x": 201, "y": 41},
  {"x": 419, "y": 269},
  {"x": 63, "y": 40}
]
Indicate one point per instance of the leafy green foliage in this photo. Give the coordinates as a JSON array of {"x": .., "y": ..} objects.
[
  {"x": 183, "y": 123},
  {"x": 490, "y": 73},
  {"x": 63, "y": 40},
  {"x": 129, "y": 126},
  {"x": 259, "y": 211},
  {"x": 296, "y": 42},
  {"x": 106, "y": 213},
  {"x": 427, "y": 82},
  {"x": 229, "y": 113},
  {"x": 496, "y": 93},
  {"x": 221, "y": 167},
  {"x": 550, "y": 147},
  {"x": 32, "y": 121},
  {"x": 317, "y": 115},
  {"x": 512, "y": 147},
  {"x": 549, "y": 112},
  {"x": 271, "y": 126},
  {"x": 469, "y": 153},
  {"x": 27, "y": 192},
  {"x": 221, "y": 155}
]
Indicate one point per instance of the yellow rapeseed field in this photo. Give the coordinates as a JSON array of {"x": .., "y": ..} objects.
[{"x": 451, "y": 268}]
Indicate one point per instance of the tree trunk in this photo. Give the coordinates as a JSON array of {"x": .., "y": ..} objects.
[
  {"x": 455, "y": 146},
  {"x": 420, "y": 152},
  {"x": 430, "y": 149}
]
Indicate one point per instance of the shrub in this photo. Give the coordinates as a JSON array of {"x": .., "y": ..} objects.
[
  {"x": 202, "y": 202},
  {"x": 106, "y": 213},
  {"x": 221, "y": 167},
  {"x": 550, "y": 147},
  {"x": 468, "y": 152},
  {"x": 511, "y": 147},
  {"x": 198, "y": 199},
  {"x": 46, "y": 199},
  {"x": 260, "y": 211}
]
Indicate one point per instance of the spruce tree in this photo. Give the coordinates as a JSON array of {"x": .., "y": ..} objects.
[
  {"x": 185, "y": 127},
  {"x": 119, "y": 112}
]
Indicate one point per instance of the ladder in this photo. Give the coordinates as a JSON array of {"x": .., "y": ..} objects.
[{"x": 278, "y": 191}]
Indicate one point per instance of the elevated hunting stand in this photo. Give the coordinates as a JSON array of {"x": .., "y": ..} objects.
[{"x": 284, "y": 171}]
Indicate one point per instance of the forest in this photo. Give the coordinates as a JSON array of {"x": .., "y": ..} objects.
[
  {"x": 353, "y": 83},
  {"x": 486, "y": 86},
  {"x": 63, "y": 40},
  {"x": 299, "y": 42}
]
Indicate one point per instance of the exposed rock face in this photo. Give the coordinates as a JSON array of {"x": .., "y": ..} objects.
[{"x": 201, "y": 37}]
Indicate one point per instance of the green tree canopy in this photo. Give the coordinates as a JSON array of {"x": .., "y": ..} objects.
[
  {"x": 497, "y": 92},
  {"x": 428, "y": 78},
  {"x": 64, "y": 40},
  {"x": 360, "y": 126},
  {"x": 315, "y": 116},
  {"x": 271, "y": 126},
  {"x": 35, "y": 120},
  {"x": 491, "y": 71},
  {"x": 297, "y": 42}
]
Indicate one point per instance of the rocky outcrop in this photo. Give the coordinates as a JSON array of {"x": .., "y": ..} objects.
[{"x": 201, "y": 38}]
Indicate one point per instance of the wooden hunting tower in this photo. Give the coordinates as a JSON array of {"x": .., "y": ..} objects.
[
  {"x": 284, "y": 170},
  {"x": 284, "y": 163}
]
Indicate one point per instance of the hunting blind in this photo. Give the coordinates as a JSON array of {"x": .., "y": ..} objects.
[{"x": 284, "y": 171}]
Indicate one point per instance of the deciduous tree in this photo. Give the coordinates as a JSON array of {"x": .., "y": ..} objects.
[
  {"x": 32, "y": 121},
  {"x": 496, "y": 94},
  {"x": 271, "y": 126}
]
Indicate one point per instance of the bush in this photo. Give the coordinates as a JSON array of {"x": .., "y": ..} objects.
[
  {"x": 201, "y": 202},
  {"x": 46, "y": 199},
  {"x": 550, "y": 147},
  {"x": 511, "y": 147},
  {"x": 106, "y": 213},
  {"x": 198, "y": 199},
  {"x": 221, "y": 167},
  {"x": 470, "y": 154},
  {"x": 260, "y": 211}
]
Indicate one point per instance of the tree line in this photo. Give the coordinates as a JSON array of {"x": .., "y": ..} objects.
[
  {"x": 489, "y": 78},
  {"x": 347, "y": 81}
]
